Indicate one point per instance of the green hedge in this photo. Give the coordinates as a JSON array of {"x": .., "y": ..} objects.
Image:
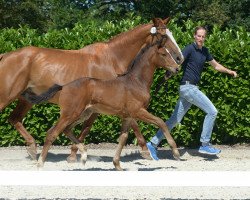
[{"x": 230, "y": 96}]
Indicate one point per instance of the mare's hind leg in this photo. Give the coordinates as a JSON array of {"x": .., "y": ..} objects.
[
  {"x": 15, "y": 119},
  {"x": 126, "y": 124},
  {"x": 84, "y": 132},
  {"x": 145, "y": 116}
]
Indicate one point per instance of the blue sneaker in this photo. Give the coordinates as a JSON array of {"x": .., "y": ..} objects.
[
  {"x": 152, "y": 151},
  {"x": 209, "y": 150}
]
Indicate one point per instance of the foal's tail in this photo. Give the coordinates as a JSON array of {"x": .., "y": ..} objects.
[{"x": 36, "y": 99}]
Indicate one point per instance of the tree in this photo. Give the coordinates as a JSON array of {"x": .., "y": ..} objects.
[
  {"x": 118, "y": 9},
  {"x": 56, "y": 14},
  {"x": 14, "y": 13},
  {"x": 225, "y": 13},
  {"x": 238, "y": 12},
  {"x": 65, "y": 13}
]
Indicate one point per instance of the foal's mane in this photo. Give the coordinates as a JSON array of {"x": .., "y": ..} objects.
[{"x": 139, "y": 55}]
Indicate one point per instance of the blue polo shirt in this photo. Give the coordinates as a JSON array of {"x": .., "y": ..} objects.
[{"x": 194, "y": 60}]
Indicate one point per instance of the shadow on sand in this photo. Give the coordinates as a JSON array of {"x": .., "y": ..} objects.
[{"x": 133, "y": 156}]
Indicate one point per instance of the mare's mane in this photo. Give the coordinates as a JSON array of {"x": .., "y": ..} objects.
[{"x": 123, "y": 35}]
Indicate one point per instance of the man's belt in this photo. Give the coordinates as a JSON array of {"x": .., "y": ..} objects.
[{"x": 188, "y": 83}]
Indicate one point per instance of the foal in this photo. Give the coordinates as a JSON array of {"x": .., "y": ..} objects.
[{"x": 126, "y": 96}]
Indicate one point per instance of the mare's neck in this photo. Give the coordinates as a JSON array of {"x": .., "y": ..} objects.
[{"x": 125, "y": 46}]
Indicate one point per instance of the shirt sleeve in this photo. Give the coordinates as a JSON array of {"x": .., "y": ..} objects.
[
  {"x": 209, "y": 57},
  {"x": 186, "y": 52}
]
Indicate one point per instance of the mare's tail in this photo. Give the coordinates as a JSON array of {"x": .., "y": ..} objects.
[
  {"x": 1, "y": 56},
  {"x": 36, "y": 99}
]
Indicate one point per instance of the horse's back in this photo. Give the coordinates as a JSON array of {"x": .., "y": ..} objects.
[
  {"x": 52, "y": 66},
  {"x": 15, "y": 61}
]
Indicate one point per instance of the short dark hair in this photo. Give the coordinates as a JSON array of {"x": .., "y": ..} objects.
[{"x": 199, "y": 28}]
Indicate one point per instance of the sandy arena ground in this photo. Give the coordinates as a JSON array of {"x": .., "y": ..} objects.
[{"x": 233, "y": 159}]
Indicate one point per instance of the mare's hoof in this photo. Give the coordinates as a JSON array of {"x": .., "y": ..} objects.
[
  {"x": 71, "y": 159},
  {"x": 31, "y": 149},
  {"x": 146, "y": 155}
]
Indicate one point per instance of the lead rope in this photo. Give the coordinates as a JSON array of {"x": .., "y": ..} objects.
[{"x": 164, "y": 79}]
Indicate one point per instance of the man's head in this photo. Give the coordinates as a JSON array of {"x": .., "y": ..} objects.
[{"x": 200, "y": 33}]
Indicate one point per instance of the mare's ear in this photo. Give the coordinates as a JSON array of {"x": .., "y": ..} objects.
[
  {"x": 156, "y": 21},
  {"x": 166, "y": 21}
]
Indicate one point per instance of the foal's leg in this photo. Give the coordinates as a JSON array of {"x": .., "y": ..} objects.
[
  {"x": 141, "y": 140},
  {"x": 126, "y": 123},
  {"x": 52, "y": 134},
  {"x": 84, "y": 132},
  {"x": 77, "y": 145},
  {"x": 145, "y": 116},
  {"x": 15, "y": 119}
]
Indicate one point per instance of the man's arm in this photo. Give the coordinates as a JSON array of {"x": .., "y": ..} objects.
[{"x": 218, "y": 67}]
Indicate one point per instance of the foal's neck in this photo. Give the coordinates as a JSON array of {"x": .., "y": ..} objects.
[{"x": 143, "y": 69}]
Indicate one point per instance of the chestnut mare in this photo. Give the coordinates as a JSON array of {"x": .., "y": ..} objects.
[
  {"x": 126, "y": 96},
  {"x": 40, "y": 68}
]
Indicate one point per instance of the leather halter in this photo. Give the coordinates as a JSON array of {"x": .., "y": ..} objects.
[{"x": 157, "y": 34}]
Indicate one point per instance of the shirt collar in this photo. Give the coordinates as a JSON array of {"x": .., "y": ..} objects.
[{"x": 196, "y": 46}]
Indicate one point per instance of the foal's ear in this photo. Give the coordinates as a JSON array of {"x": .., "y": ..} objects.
[
  {"x": 162, "y": 50},
  {"x": 162, "y": 43}
]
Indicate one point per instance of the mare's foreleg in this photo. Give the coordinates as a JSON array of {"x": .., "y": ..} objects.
[
  {"x": 126, "y": 124},
  {"x": 16, "y": 118},
  {"x": 145, "y": 116},
  {"x": 84, "y": 132}
]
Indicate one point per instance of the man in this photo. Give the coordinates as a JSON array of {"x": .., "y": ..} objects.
[{"x": 195, "y": 56}]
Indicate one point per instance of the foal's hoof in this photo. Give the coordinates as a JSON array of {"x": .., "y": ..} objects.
[
  {"x": 117, "y": 166},
  {"x": 71, "y": 159},
  {"x": 176, "y": 154},
  {"x": 40, "y": 165},
  {"x": 31, "y": 149},
  {"x": 146, "y": 155},
  {"x": 84, "y": 158}
]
